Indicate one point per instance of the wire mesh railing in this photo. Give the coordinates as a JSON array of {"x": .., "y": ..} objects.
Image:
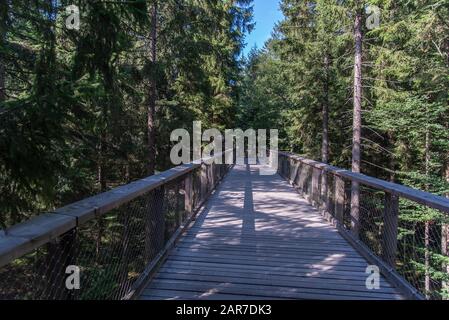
[
  {"x": 405, "y": 232},
  {"x": 104, "y": 247}
]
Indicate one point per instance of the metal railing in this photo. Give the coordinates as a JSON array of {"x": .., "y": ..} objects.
[
  {"x": 114, "y": 241},
  {"x": 403, "y": 231}
]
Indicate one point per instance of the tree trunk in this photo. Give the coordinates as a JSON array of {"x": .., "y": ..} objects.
[
  {"x": 154, "y": 219},
  {"x": 325, "y": 140},
  {"x": 152, "y": 98},
  {"x": 357, "y": 123}
]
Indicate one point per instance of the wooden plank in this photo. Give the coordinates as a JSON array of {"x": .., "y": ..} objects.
[
  {"x": 278, "y": 270},
  {"x": 263, "y": 290},
  {"x": 260, "y": 290},
  {"x": 264, "y": 233},
  {"x": 272, "y": 256},
  {"x": 245, "y": 263},
  {"x": 281, "y": 260},
  {"x": 269, "y": 284},
  {"x": 231, "y": 233},
  {"x": 339, "y": 199},
  {"x": 268, "y": 262},
  {"x": 248, "y": 252},
  {"x": 299, "y": 247},
  {"x": 262, "y": 249},
  {"x": 272, "y": 274},
  {"x": 267, "y": 245},
  {"x": 311, "y": 237},
  {"x": 247, "y": 277},
  {"x": 195, "y": 295},
  {"x": 286, "y": 241}
]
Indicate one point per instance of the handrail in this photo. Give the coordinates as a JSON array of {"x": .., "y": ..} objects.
[
  {"x": 431, "y": 200},
  {"x": 409, "y": 244},
  {"x": 27, "y": 236}
]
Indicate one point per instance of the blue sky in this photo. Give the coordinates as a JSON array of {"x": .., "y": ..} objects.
[{"x": 266, "y": 14}]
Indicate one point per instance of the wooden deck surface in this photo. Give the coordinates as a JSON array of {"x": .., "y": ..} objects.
[{"x": 258, "y": 239}]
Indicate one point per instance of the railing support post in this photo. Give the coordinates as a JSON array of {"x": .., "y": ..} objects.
[
  {"x": 302, "y": 177},
  {"x": 203, "y": 180},
  {"x": 326, "y": 192},
  {"x": 316, "y": 173},
  {"x": 390, "y": 228},
  {"x": 284, "y": 167},
  {"x": 281, "y": 166},
  {"x": 179, "y": 212},
  {"x": 355, "y": 208},
  {"x": 211, "y": 177},
  {"x": 290, "y": 166},
  {"x": 188, "y": 195},
  {"x": 275, "y": 161},
  {"x": 339, "y": 199},
  {"x": 294, "y": 166}
]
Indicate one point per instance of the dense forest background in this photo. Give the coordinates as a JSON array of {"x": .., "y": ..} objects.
[{"x": 82, "y": 111}]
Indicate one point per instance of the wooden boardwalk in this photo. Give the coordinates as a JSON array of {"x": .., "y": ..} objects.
[{"x": 258, "y": 239}]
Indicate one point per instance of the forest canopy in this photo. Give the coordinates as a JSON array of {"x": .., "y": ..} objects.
[{"x": 82, "y": 111}]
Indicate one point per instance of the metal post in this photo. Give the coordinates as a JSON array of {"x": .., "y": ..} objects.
[
  {"x": 203, "y": 179},
  {"x": 339, "y": 199},
  {"x": 188, "y": 194}
]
